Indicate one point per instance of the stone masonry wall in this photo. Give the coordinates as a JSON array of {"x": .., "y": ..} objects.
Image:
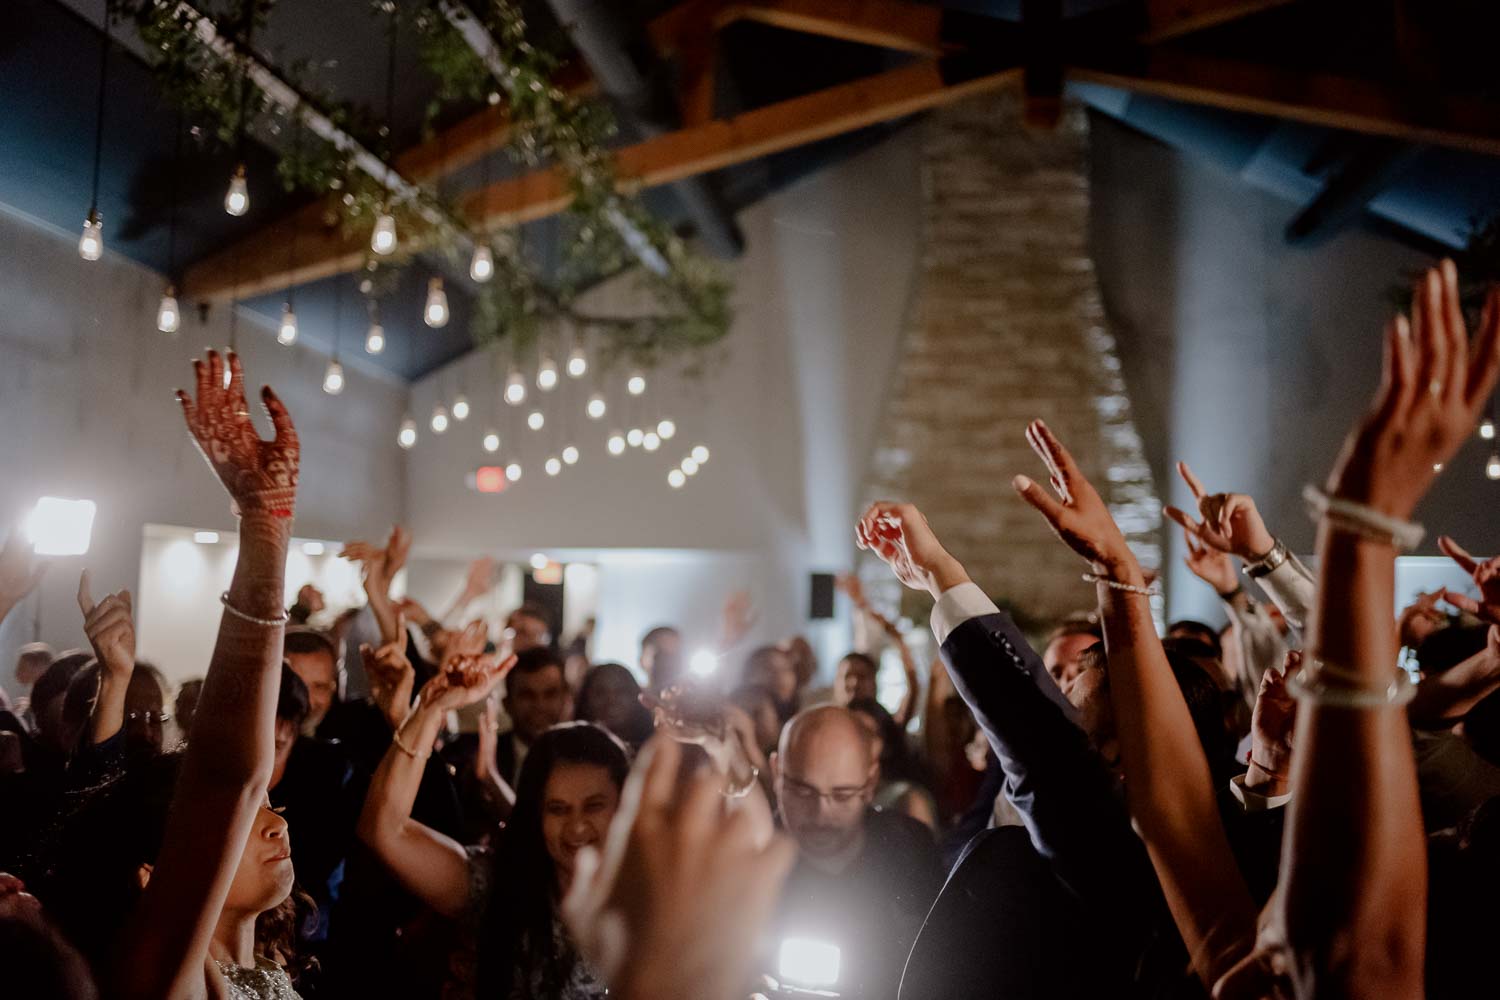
[{"x": 1005, "y": 325}]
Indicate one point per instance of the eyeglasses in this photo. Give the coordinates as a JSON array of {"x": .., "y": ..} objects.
[
  {"x": 150, "y": 717},
  {"x": 841, "y": 797}
]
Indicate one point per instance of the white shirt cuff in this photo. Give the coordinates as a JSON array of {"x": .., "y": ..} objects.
[
  {"x": 1252, "y": 800},
  {"x": 956, "y": 606}
]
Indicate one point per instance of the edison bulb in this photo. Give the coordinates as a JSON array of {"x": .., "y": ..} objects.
[
  {"x": 482, "y": 264},
  {"x": 435, "y": 312},
  {"x": 616, "y": 444},
  {"x": 570, "y": 455},
  {"x": 407, "y": 436},
  {"x": 667, "y": 430},
  {"x": 1487, "y": 429},
  {"x": 689, "y": 466},
  {"x": 91, "y": 243},
  {"x": 383, "y": 236},
  {"x": 237, "y": 198},
  {"x": 676, "y": 478},
  {"x": 553, "y": 466},
  {"x": 634, "y": 436},
  {"x": 460, "y": 407},
  {"x": 637, "y": 384},
  {"x": 375, "y": 339},
  {"x": 286, "y": 334},
  {"x": 513, "y": 471},
  {"x": 578, "y": 363},
  {"x": 1492, "y": 467},
  {"x": 546, "y": 374},
  {"x": 535, "y": 420},
  {"x": 168, "y": 316},
  {"x": 651, "y": 441},
  {"x": 700, "y": 454},
  {"x": 333, "y": 379},
  {"x": 491, "y": 442},
  {"x": 596, "y": 407},
  {"x": 439, "y": 419},
  {"x": 515, "y": 388}
]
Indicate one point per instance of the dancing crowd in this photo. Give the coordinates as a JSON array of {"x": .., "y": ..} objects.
[{"x": 1302, "y": 803}]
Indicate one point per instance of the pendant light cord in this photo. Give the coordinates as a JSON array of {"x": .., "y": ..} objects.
[{"x": 99, "y": 111}]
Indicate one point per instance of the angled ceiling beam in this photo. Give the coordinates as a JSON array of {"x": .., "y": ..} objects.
[
  {"x": 1326, "y": 99},
  {"x": 1166, "y": 19},
  {"x": 886, "y": 24},
  {"x": 1349, "y": 189}
]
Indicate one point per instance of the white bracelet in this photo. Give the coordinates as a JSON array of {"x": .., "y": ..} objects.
[
  {"x": 1129, "y": 588},
  {"x": 1309, "y": 685},
  {"x": 1363, "y": 520},
  {"x": 268, "y": 622}
]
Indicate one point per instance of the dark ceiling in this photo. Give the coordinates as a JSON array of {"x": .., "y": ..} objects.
[{"x": 154, "y": 173}]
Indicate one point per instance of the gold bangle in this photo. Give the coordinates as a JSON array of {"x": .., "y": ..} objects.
[
  {"x": 396, "y": 739},
  {"x": 731, "y": 792}
]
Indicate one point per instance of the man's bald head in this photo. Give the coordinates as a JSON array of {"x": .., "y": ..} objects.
[
  {"x": 823, "y": 728},
  {"x": 825, "y": 774}
]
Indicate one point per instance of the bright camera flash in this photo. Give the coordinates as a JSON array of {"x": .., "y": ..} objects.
[
  {"x": 704, "y": 662},
  {"x": 58, "y": 527},
  {"x": 806, "y": 962}
]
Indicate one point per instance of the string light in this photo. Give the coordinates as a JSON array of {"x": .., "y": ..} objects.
[
  {"x": 375, "y": 339},
  {"x": 286, "y": 333},
  {"x": 634, "y": 436},
  {"x": 237, "y": 198},
  {"x": 1492, "y": 467},
  {"x": 675, "y": 478},
  {"x": 570, "y": 455},
  {"x": 513, "y": 471},
  {"x": 535, "y": 420},
  {"x": 700, "y": 454},
  {"x": 1487, "y": 429},
  {"x": 439, "y": 419},
  {"x": 168, "y": 316},
  {"x": 689, "y": 466},
  {"x": 667, "y": 429},
  {"x": 616, "y": 444},
  {"x": 383, "y": 236},
  {"x": 460, "y": 407},
  {"x": 553, "y": 466},
  {"x": 651, "y": 441},
  {"x": 596, "y": 407},
  {"x": 491, "y": 442},
  {"x": 91, "y": 243},
  {"x": 637, "y": 384},
  {"x": 578, "y": 363},
  {"x": 407, "y": 436},
  {"x": 539, "y": 561},
  {"x": 515, "y": 388},
  {"x": 333, "y": 379},
  {"x": 435, "y": 312},
  {"x": 482, "y": 264},
  {"x": 546, "y": 374}
]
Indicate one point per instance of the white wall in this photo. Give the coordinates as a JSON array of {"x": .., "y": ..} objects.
[
  {"x": 86, "y": 406},
  {"x": 789, "y": 414}
]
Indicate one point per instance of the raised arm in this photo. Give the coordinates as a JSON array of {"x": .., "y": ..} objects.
[
  {"x": 112, "y": 635},
  {"x": 20, "y": 572},
  {"x": 430, "y": 865},
  {"x": 1168, "y": 784},
  {"x": 380, "y": 566},
  {"x": 229, "y": 761}
]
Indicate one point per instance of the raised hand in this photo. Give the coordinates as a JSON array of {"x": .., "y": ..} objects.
[
  {"x": 850, "y": 584},
  {"x": 1436, "y": 381},
  {"x": 20, "y": 572},
  {"x": 737, "y": 618},
  {"x": 680, "y": 888},
  {"x": 1211, "y": 565},
  {"x": 1231, "y": 523},
  {"x": 466, "y": 675},
  {"x": 109, "y": 627},
  {"x": 1079, "y": 516},
  {"x": 391, "y": 676},
  {"x": 1271, "y": 727},
  {"x": 414, "y": 612},
  {"x": 1486, "y": 574},
  {"x": 1420, "y": 618},
  {"x": 480, "y": 580},
  {"x": 260, "y": 476},
  {"x": 904, "y": 541}
]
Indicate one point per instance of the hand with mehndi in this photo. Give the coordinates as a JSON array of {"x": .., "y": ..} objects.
[
  {"x": 1231, "y": 523},
  {"x": 467, "y": 675},
  {"x": 260, "y": 476}
]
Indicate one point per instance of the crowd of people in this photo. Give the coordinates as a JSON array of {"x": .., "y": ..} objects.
[{"x": 1303, "y": 803}]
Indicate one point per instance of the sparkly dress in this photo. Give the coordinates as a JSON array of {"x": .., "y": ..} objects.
[{"x": 267, "y": 981}]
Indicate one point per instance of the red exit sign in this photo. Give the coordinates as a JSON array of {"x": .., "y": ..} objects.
[{"x": 488, "y": 479}]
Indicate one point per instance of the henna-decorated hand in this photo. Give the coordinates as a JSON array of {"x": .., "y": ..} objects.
[
  {"x": 109, "y": 628},
  {"x": 260, "y": 476},
  {"x": 466, "y": 675},
  {"x": 1231, "y": 523}
]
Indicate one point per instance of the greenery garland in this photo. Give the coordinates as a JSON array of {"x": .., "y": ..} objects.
[{"x": 548, "y": 127}]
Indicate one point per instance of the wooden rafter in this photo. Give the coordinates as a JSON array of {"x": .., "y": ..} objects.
[{"x": 1166, "y": 19}]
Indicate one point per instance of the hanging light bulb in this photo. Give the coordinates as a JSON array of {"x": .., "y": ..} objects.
[
  {"x": 515, "y": 388},
  {"x": 435, "y": 312},
  {"x": 439, "y": 418},
  {"x": 546, "y": 374},
  {"x": 675, "y": 479},
  {"x": 491, "y": 442},
  {"x": 616, "y": 443},
  {"x": 1487, "y": 429},
  {"x": 1492, "y": 467},
  {"x": 333, "y": 379},
  {"x": 237, "y": 198},
  {"x": 482, "y": 264},
  {"x": 578, "y": 363},
  {"x": 407, "y": 436},
  {"x": 168, "y": 317},
  {"x": 700, "y": 454},
  {"x": 596, "y": 406},
  {"x": 375, "y": 339},
  {"x": 553, "y": 466},
  {"x": 286, "y": 334},
  {"x": 460, "y": 407},
  {"x": 535, "y": 420},
  {"x": 570, "y": 455},
  {"x": 513, "y": 471},
  {"x": 383, "y": 236},
  {"x": 651, "y": 441},
  {"x": 637, "y": 384},
  {"x": 667, "y": 430},
  {"x": 634, "y": 436},
  {"x": 689, "y": 466},
  {"x": 91, "y": 243}
]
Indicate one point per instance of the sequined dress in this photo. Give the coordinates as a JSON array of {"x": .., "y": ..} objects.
[{"x": 267, "y": 981}]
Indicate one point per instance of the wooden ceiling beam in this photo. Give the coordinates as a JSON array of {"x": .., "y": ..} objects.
[{"x": 1168, "y": 19}]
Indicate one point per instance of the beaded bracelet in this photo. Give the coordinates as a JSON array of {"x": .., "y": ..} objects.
[
  {"x": 1310, "y": 686},
  {"x": 1363, "y": 520},
  {"x": 268, "y": 622},
  {"x": 1129, "y": 588}
]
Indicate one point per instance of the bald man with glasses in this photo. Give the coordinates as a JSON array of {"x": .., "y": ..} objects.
[{"x": 864, "y": 878}]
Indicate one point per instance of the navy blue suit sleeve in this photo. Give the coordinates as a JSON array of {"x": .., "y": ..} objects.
[{"x": 1065, "y": 794}]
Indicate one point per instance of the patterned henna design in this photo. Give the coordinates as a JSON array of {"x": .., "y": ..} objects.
[{"x": 260, "y": 476}]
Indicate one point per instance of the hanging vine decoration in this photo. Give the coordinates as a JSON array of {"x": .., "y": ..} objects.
[{"x": 548, "y": 127}]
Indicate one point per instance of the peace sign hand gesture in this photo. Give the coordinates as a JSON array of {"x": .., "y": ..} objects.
[
  {"x": 1231, "y": 523},
  {"x": 260, "y": 476}
]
